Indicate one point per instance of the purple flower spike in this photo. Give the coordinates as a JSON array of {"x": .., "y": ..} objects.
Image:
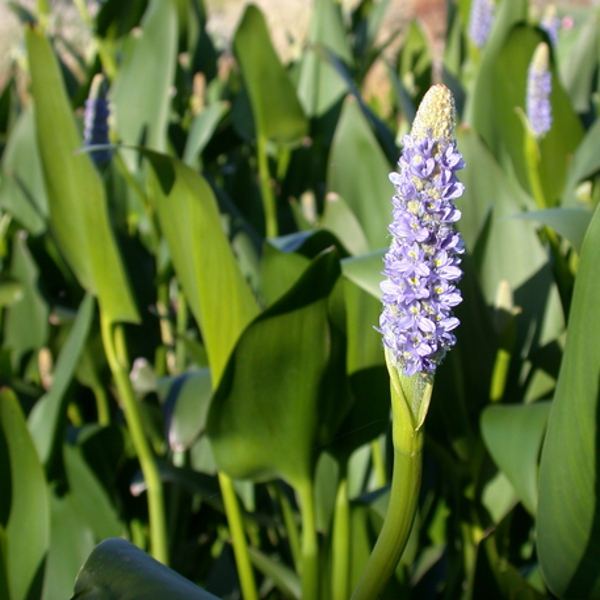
[
  {"x": 550, "y": 23},
  {"x": 95, "y": 121},
  {"x": 422, "y": 264},
  {"x": 539, "y": 86},
  {"x": 480, "y": 21}
]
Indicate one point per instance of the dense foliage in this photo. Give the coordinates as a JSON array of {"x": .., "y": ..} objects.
[{"x": 189, "y": 357}]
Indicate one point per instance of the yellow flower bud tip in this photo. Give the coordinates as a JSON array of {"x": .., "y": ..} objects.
[
  {"x": 436, "y": 114},
  {"x": 541, "y": 58}
]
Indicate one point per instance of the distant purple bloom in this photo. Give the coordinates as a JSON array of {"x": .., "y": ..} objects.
[
  {"x": 95, "y": 121},
  {"x": 422, "y": 264},
  {"x": 539, "y": 86},
  {"x": 480, "y": 21},
  {"x": 550, "y": 23}
]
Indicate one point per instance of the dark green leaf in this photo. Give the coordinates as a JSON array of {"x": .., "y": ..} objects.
[
  {"x": 28, "y": 527},
  {"x": 267, "y": 416},
  {"x": 365, "y": 271},
  {"x": 117, "y": 570}
]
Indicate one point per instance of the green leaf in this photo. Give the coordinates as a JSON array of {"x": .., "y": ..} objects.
[
  {"x": 571, "y": 223},
  {"x": 26, "y": 325},
  {"x": 358, "y": 171},
  {"x": 513, "y": 435},
  {"x": 272, "y": 408},
  {"x": 278, "y": 114},
  {"x": 189, "y": 396},
  {"x": 46, "y": 420},
  {"x": 214, "y": 287},
  {"x": 88, "y": 497},
  {"x": 365, "y": 271},
  {"x": 320, "y": 86},
  {"x": 28, "y": 527},
  {"x": 568, "y": 529},
  {"x": 578, "y": 66},
  {"x": 71, "y": 543},
  {"x": 11, "y": 290},
  {"x": 78, "y": 211},
  {"x": 117, "y": 570},
  {"x": 201, "y": 130},
  {"x": 22, "y": 191},
  {"x": 4, "y": 589},
  {"x": 141, "y": 90},
  {"x": 342, "y": 222}
]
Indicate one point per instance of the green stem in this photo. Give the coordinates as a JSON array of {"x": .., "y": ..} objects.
[
  {"x": 290, "y": 525},
  {"x": 240, "y": 547},
  {"x": 102, "y": 406},
  {"x": 340, "y": 579},
  {"x": 310, "y": 546},
  {"x": 156, "y": 509},
  {"x": 378, "y": 463},
  {"x": 182, "y": 320},
  {"x": 266, "y": 189},
  {"x": 404, "y": 495}
]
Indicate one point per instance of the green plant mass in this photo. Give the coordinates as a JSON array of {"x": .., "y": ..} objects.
[{"x": 315, "y": 324}]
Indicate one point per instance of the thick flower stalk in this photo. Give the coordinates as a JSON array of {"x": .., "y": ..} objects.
[
  {"x": 539, "y": 86},
  {"x": 422, "y": 264},
  {"x": 550, "y": 23},
  {"x": 422, "y": 269},
  {"x": 480, "y": 21},
  {"x": 95, "y": 121}
]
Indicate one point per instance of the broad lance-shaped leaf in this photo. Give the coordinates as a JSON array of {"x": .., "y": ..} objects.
[
  {"x": 276, "y": 402},
  {"x": 278, "y": 114},
  {"x": 219, "y": 297},
  {"x": 78, "y": 210},
  {"x": 568, "y": 526},
  {"x": 25, "y": 504}
]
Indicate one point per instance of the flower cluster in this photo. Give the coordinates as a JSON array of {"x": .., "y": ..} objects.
[
  {"x": 539, "y": 86},
  {"x": 422, "y": 264},
  {"x": 95, "y": 121},
  {"x": 480, "y": 21}
]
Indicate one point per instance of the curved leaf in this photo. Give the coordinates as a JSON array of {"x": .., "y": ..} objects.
[
  {"x": 568, "y": 527},
  {"x": 513, "y": 435},
  {"x": 117, "y": 570},
  {"x": 269, "y": 411}
]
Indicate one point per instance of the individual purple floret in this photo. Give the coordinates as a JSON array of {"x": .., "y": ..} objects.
[
  {"x": 539, "y": 86},
  {"x": 422, "y": 264},
  {"x": 95, "y": 121},
  {"x": 550, "y": 23},
  {"x": 480, "y": 21}
]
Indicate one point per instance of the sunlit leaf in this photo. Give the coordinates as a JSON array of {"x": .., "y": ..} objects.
[{"x": 78, "y": 211}]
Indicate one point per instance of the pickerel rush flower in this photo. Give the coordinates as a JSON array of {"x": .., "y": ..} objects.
[
  {"x": 480, "y": 21},
  {"x": 539, "y": 86},
  {"x": 95, "y": 121},
  {"x": 422, "y": 264}
]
